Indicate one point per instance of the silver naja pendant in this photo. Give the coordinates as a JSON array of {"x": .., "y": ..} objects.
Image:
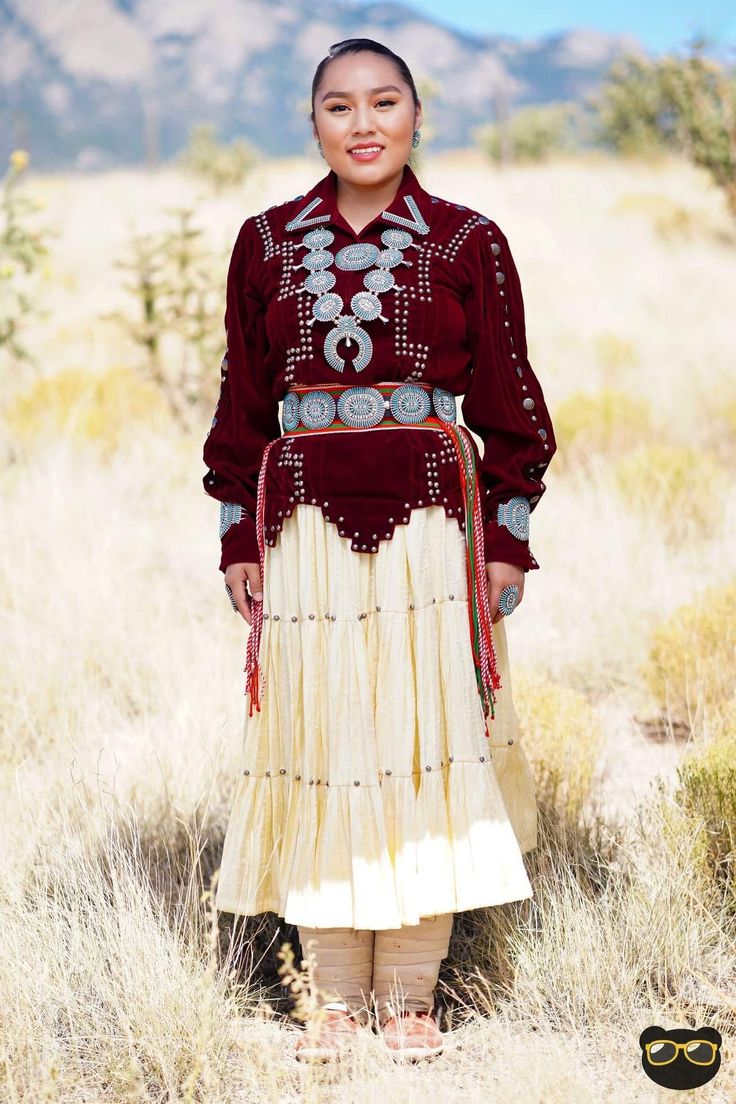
[{"x": 347, "y": 329}]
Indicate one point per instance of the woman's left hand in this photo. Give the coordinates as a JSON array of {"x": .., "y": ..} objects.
[{"x": 498, "y": 576}]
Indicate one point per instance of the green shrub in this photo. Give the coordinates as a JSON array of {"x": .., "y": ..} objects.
[
  {"x": 707, "y": 790},
  {"x": 177, "y": 323},
  {"x": 221, "y": 166},
  {"x": 691, "y": 665},
  {"x": 535, "y": 132},
  {"x": 615, "y": 353},
  {"x": 87, "y": 406},
  {"x": 679, "y": 483},
  {"x": 672, "y": 103},
  {"x": 563, "y": 736},
  {"x": 669, "y": 218},
  {"x": 605, "y": 421},
  {"x": 729, "y": 413},
  {"x": 24, "y": 249}
]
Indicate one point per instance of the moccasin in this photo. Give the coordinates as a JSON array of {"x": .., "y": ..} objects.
[
  {"x": 413, "y": 1035},
  {"x": 332, "y": 1032}
]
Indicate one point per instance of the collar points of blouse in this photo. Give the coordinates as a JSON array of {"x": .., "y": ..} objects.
[
  {"x": 441, "y": 226},
  {"x": 410, "y": 207}
]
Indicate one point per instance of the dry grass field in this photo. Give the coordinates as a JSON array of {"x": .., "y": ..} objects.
[{"x": 121, "y": 684}]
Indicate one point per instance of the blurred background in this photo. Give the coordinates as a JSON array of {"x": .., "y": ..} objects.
[{"x": 135, "y": 138}]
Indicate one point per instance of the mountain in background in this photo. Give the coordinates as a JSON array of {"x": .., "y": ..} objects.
[{"x": 99, "y": 83}]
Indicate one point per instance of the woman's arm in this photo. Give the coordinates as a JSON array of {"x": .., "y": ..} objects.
[
  {"x": 504, "y": 404},
  {"x": 246, "y": 416}
]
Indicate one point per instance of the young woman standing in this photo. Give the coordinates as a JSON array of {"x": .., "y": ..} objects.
[{"x": 375, "y": 551}]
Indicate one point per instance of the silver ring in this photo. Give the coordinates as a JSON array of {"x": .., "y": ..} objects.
[{"x": 508, "y": 599}]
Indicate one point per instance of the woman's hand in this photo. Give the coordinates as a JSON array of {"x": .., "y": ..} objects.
[
  {"x": 498, "y": 576},
  {"x": 236, "y": 576}
]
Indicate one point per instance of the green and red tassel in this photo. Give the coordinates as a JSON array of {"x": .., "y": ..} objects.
[
  {"x": 254, "y": 676},
  {"x": 481, "y": 626}
]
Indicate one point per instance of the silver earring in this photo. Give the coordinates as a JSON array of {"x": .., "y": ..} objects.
[
  {"x": 416, "y": 138},
  {"x": 321, "y": 151}
]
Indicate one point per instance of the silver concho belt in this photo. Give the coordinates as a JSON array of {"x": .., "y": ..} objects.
[{"x": 338, "y": 407}]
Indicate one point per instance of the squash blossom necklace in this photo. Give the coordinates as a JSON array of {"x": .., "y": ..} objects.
[{"x": 365, "y": 305}]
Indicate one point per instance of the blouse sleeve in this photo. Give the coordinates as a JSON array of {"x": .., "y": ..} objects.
[
  {"x": 246, "y": 416},
  {"x": 503, "y": 403}
]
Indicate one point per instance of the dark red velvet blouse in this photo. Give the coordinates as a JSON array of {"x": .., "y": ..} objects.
[{"x": 457, "y": 322}]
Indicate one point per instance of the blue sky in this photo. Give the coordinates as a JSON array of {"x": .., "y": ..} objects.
[{"x": 660, "y": 26}]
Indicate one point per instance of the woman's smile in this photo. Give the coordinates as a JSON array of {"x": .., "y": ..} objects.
[{"x": 365, "y": 153}]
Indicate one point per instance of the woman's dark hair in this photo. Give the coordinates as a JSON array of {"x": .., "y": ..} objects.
[{"x": 355, "y": 46}]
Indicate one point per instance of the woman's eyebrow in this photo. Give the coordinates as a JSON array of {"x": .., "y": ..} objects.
[{"x": 373, "y": 91}]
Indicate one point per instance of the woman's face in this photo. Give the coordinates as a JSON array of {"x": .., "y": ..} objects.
[{"x": 362, "y": 101}]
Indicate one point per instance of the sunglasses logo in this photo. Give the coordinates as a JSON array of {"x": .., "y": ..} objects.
[{"x": 681, "y": 1058}]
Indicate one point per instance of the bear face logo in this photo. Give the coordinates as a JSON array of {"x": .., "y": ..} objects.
[{"x": 682, "y": 1058}]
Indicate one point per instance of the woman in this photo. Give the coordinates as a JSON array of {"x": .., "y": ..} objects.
[{"x": 383, "y": 787}]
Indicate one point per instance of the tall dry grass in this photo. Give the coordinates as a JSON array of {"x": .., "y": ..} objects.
[{"x": 121, "y": 684}]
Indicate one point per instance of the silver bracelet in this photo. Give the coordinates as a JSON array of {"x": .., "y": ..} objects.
[
  {"x": 514, "y": 514},
  {"x": 230, "y": 514}
]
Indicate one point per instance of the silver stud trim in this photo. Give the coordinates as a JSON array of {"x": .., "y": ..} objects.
[{"x": 387, "y": 772}]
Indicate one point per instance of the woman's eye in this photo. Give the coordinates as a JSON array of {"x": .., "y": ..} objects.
[{"x": 338, "y": 106}]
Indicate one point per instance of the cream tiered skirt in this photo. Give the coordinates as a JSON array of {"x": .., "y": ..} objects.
[{"x": 368, "y": 793}]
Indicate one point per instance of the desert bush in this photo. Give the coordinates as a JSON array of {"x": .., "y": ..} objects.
[
  {"x": 563, "y": 736},
  {"x": 678, "y": 483},
  {"x": 221, "y": 166},
  {"x": 605, "y": 421},
  {"x": 671, "y": 103},
  {"x": 707, "y": 791},
  {"x": 615, "y": 353},
  {"x": 534, "y": 133},
  {"x": 727, "y": 413},
  {"x": 724, "y": 719},
  {"x": 691, "y": 664},
  {"x": 23, "y": 247},
  {"x": 97, "y": 407},
  {"x": 670, "y": 219},
  {"x": 179, "y": 289}
]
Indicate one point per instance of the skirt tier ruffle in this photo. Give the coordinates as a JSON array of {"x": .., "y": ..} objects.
[{"x": 369, "y": 795}]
